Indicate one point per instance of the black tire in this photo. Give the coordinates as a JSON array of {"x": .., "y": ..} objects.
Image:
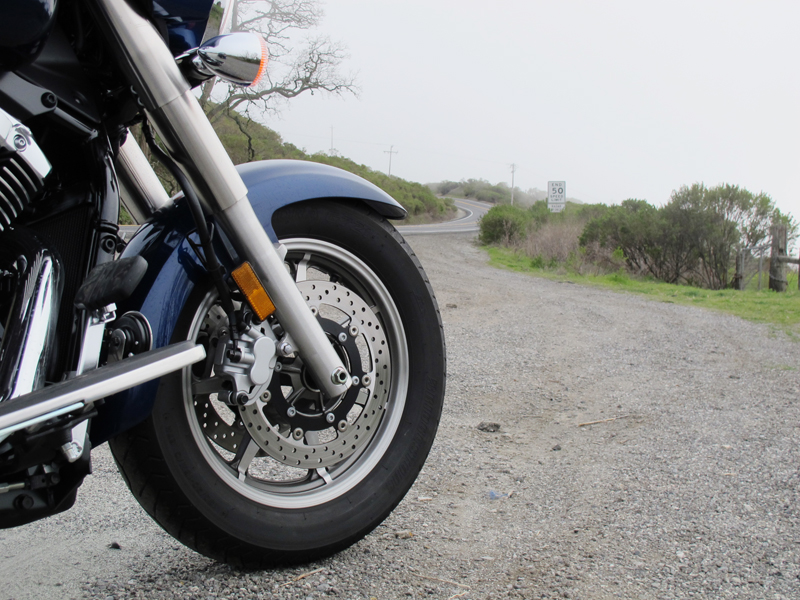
[{"x": 185, "y": 481}]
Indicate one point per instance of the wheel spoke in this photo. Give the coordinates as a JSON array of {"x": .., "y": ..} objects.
[
  {"x": 301, "y": 273},
  {"x": 208, "y": 366},
  {"x": 323, "y": 472},
  {"x": 244, "y": 456}
]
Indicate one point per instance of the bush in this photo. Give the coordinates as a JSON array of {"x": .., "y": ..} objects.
[
  {"x": 555, "y": 241},
  {"x": 504, "y": 224},
  {"x": 445, "y": 187},
  {"x": 692, "y": 239}
]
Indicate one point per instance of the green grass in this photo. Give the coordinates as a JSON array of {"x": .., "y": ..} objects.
[{"x": 780, "y": 310}]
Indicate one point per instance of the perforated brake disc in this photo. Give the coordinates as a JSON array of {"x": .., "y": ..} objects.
[{"x": 321, "y": 443}]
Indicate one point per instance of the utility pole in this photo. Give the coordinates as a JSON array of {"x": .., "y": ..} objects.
[
  {"x": 513, "y": 168},
  {"x": 390, "y": 151}
]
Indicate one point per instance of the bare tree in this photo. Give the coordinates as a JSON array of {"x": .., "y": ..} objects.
[{"x": 313, "y": 65}]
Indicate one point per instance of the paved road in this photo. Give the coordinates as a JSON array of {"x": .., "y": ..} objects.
[
  {"x": 470, "y": 212},
  {"x": 473, "y": 210}
]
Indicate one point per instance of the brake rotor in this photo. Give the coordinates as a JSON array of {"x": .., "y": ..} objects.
[{"x": 305, "y": 438}]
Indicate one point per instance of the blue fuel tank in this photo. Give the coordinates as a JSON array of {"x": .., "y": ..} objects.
[{"x": 24, "y": 27}]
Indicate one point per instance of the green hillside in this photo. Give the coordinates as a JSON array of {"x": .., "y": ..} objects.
[{"x": 246, "y": 140}]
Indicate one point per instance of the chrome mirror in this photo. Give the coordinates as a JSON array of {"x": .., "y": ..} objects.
[{"x": 240, "y": 57}]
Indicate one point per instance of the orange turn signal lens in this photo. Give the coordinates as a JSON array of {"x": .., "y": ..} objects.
[
  {"x": 257, "y": 297},
  {"x": 264, "y": 60}
]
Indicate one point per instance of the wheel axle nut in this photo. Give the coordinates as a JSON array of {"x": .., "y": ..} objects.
[
  {"x": 330, "y": 417},
  {"x": 339, "y": 376}
]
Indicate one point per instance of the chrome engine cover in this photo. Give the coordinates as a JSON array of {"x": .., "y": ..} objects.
[{"x": 23, "y": 168}]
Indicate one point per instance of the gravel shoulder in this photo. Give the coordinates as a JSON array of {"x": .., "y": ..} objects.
[{"x": 686, "y": 486}]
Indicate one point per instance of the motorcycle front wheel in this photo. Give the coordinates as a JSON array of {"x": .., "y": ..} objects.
[{"x": 275, "y": 482}]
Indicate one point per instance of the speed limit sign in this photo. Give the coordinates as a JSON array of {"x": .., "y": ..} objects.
[{"x": 556, "y": 195}]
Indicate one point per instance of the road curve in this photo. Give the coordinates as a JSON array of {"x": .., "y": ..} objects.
[
  {"x": 468, "y": 223},
  {"x": 473, "y": 211}
]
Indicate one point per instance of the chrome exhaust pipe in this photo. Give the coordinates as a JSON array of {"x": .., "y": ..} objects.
[{"x": 29, "y": 336}]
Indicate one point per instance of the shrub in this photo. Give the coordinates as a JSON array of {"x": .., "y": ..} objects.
[
  {"x": 504, "y": 224},
  {"x": 553, "y": 241},
  {"x": 445, "y": 187},
  {"x": 692, "y": 239}
]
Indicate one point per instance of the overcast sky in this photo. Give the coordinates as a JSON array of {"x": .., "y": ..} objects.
[{"x": 621, "y": 99}]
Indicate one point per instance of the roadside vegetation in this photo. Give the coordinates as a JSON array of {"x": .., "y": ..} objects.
[
  {"x": 246, "y": 141},
  {"x": 683, "y": 252},
  {"x": 480, "y": 189}
]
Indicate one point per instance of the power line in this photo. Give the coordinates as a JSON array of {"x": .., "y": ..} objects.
[
  {"x": 390, "y": 151},
  {"x": 513, "y": 169},
  {"x": 425, "y": 149}
]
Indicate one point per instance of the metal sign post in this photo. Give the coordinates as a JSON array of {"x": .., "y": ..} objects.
[{"x": 556, "y": 195}]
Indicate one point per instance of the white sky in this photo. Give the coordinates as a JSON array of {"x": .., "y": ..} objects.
[{"x": 621, "y": 98}]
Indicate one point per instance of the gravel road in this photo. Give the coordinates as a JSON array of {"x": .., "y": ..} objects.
[{"x": 686, "y": 487}]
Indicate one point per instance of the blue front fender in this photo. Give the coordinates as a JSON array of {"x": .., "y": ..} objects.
[{"x": 174, "y": 269}]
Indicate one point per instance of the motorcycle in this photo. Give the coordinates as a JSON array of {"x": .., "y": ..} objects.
[{"x": 265, "y": 356}]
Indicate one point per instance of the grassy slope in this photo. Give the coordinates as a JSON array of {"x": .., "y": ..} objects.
[
  {"x": 421, "y": 204},
  {"x": 780, "y": 310}
]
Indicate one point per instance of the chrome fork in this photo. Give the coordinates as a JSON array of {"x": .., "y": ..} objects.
[{"x": 193, "y": 144}]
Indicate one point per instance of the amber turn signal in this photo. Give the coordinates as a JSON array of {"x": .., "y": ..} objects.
[
  {"x": 257, "y": 297},
  {"x": 262, "y": 69}
]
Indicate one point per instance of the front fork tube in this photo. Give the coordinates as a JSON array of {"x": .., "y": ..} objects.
[
  {"x": 292, "y": 311},
  {"x": 195, "y": 146}
]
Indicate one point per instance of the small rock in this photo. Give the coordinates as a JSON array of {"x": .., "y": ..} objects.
[
  {"x": 489, "y": 427},
  {"x": 557, "y": 447},
  {"x": 451, "y": 305},
  {"x": 115, "y": 546}
]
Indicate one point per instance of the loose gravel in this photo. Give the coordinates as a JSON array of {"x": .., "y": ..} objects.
[{"x": 686, "y": 485}]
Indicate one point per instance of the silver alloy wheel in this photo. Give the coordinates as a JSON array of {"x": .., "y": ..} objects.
[{"x": 255, "y": 470}]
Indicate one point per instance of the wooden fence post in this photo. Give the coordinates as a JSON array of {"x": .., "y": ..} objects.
[
  {"x": 738, "y": 278},
  {"x": 777, "y": 267}
]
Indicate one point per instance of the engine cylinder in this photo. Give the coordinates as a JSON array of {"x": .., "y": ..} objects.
[{"x": 23, "y": 168}]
